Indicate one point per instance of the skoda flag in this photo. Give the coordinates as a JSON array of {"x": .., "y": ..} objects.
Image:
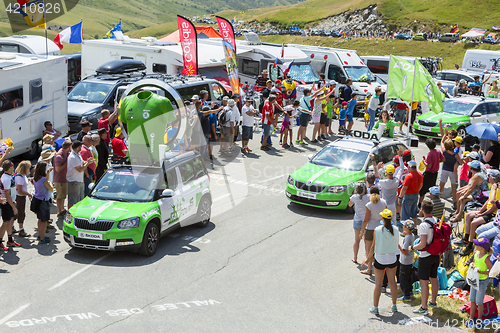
[
  {"x": 400, "y": 79},
  {"x": 426, "y": 89}
]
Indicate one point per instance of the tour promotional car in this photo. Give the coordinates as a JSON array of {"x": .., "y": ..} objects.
[
  {"x": 458, "y": 113},
  {"x": 131, "y": 207},
  {"x": 330, "y": 176}
]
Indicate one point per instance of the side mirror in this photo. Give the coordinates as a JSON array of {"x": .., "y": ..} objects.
[
  {"x": 167, "y": 193},
  {"x": 310, "y": 156},
  {"x": 476, "y": 114},
  {"x": 91, "y": 186}
]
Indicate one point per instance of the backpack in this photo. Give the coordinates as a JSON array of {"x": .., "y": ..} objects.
[
  {"x": 342, "y": 94},
  {"x": 440, "y": 239},
  {"x": 222, "y": 117}
]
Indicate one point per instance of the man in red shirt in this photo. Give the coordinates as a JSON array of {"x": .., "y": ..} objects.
[
  {"x": 409, "y": 193},
  {"x": 89, "y": 172},
  {"x": 119, "y": 147},
  {"x": 267, "y": 120},
  {"x": 106, "y": 120}
]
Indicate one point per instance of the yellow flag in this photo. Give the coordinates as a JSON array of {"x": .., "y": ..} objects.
[{"x": 41, "y": 26}]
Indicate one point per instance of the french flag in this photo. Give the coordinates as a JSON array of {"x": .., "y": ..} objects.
[{"x": 72, "y": 34}]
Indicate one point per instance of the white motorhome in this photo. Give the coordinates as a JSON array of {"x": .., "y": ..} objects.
[
  {"x": 479, "y": 61},
  {"x": 29, "y": 44},
  {"x": 379, "y": 65},
  {"x": 33, "y": 90},
  {"x": 341, "y": 64},
  {"x": 166, "y": 57}
]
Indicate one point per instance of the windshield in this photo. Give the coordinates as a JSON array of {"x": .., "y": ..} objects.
[
  {"x": 359, "y": 73},
  {"x": 90, "y": 92},
  {"x": 341, "y": 158},
  {"x": 457, "y": 106},
  {"x": 126, "y": 185},
  {"x": 303, "y": 72}
]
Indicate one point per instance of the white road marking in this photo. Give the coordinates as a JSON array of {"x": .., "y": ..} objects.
[
  {"x": 13, "y": 313},
  {"x": 221, "y": 197},
  {"x": 60, "y": 283},
  {"x": 268, "y": 179}
]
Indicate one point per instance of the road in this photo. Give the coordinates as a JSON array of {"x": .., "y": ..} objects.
[{"x": 262, "y": 265}]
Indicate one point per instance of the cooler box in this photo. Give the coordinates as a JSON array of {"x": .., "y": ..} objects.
[{"x": 489, "y": 310}]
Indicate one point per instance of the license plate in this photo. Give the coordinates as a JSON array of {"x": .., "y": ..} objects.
[
  {"x": 426, "y": 129},
  {"x": 306, "y": 195},
  {"x": 88, "y": 235}
]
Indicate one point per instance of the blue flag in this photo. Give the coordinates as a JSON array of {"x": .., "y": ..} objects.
[{"x": 110, "y": 34}]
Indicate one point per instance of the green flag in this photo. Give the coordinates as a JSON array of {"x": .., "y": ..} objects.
[
  {"x": 400, "y": 79},
  {"x": 426, "y": 89}
]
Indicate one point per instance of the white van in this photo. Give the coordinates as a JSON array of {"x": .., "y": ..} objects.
[
  {"x": 379, "y": 65},
  {"x": 30, "y": 94},
  {"x": 341, "y": 64},
  {"x": 481, "y": 60},
  {"x": 29, "y": 44}
]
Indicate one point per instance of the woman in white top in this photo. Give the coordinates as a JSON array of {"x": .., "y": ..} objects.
[
  {"x": 21, "y": 180},
  {"x": 383, "y": 252},
  {"x": 359, "y": 199},
  {"x": 371, "y": 221},
  {"x": 316, "y": 113}
]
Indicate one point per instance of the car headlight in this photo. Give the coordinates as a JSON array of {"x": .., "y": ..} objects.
[
  {"x": 336, "y": 189},
  {"x": 68, "y": 219},
  {"x": 448, "y": 124},
  {"x": 129, "y": 223},
  {"x": 90, "y": 116},
  {"x": 290, "y": 180}
]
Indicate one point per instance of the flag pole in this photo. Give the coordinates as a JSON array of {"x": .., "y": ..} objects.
[
  {"x": 412, "y": 90},
  {"x": 45, "y": 26}
]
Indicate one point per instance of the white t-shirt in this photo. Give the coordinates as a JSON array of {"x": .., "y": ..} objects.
[
  {"x": 360, "y": 206},
  {"x": 389, "y": 190},
  {"x": 373, "y": 104},
  {"x": 229, "y": 117},
  {"x": 72, "y": 175},
  {"x": 7, "y": 185},
  {"x": 426, "y": 229},
  {"x": 247, "y": 120},
  {"x": 375, "y": 210},
  {"x": 23, "y": 181},
  {"x": 237, "y": 116}
]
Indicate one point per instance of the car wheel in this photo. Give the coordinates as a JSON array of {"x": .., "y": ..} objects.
[
  {"x": 461, "y": 132},
  {"x": 150, "y": 240},
  {"x": 33, "y": 152},
  {"x": 204, "y": 212}
]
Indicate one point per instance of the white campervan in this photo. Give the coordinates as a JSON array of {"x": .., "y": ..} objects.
[
  {"x": 379, "y": 65},
  {"x": 341, "y": 64},
  {"x": 29, "y": 44},
  {"x": 479, "y": 61},
  {"x": 32, "y": 90}
]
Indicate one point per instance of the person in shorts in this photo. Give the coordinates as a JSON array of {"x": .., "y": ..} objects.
[
  {"x": 247, "y": 113},
  {"x": 9, "y": 209},
  {"x": 409, "y": 193},
  {"x": 400, "y": 115},
  {"x": 267, "y": 120},
  {"x": 427, "y": 263},
  {"x": 74, "y": 174}
]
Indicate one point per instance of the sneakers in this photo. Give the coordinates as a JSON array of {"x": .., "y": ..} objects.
[
  {"x": 433, "y": 305},
  {"x": 50, "y": 226},
  {"x": 314, "y": 141},
  {"x": 285, "y": 146},
  {"x": 265, "y": 148},
  {"x": 465, "y": 252},
  {"x": 394, "y": 308},
  {"x": 461, "y": 242},
  {"x": 46, "y": 240},
  {"x": 291, "y": 144},
  {"x": 62, "y": 213},
  {"x": 13, "y": 244},
  {"x": 421, "y": 311},
  {"x": 23, "y": 233},
  {"x": 14, "y": 231},
  {"x": 383, "y": 289},
  {"x": 303, "y": 143},
  {"x": 281, "y": 143},
  {"x": 404, "y": 298},
  {"x": 3, "y": 248},
  {"x": 373, "y": 310},
  {"x": 297, "y": 141},
  {"x": 320, "y": 138}
]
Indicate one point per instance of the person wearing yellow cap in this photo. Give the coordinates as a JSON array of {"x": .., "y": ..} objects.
[
  {"x": 383, "y": 253},
  {"x": 389, "y": 187},
  {"x": 118, "y": 145}
]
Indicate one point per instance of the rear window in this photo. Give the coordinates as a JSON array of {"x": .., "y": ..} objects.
[
  {"x": 11, "y": 99},
  {"x": 189, "y": 91}
]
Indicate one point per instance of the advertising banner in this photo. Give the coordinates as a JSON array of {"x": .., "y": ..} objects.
[
  {"x": 229, "y": 44},
  {"x": 189, "y": 45}
]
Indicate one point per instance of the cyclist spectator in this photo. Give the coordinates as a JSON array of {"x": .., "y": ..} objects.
[
  {"x": 49, "y": 129},
  {"x": 9, "y": 209},
  {"x": 86, "y": 125},
  {"x": 74, "y": 175},
  {"x": 118, "y": 145},
  {"x": 262, "y": 79},
  {"x": 105, "y": 122},
  {"x": 86, "y": 153},
  {"x": 60, "y": 181},
  {"x": 102, "y": 153},
  {"x": 21, "y": 180},
  {"x": 41, "y": 199}
]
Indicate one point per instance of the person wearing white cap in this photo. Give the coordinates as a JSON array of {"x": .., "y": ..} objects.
[{"x": 372, "y": 107}]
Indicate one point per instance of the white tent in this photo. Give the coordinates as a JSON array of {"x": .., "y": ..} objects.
[{"x": 472, "y": 34}]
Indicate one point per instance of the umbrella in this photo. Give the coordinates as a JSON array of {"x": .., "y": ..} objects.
[{"x": 485, "y": 131}]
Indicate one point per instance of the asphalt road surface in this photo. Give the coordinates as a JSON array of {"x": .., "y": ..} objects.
[{"x": 262, "y": 265}]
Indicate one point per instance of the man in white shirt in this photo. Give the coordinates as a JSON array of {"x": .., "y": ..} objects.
[
  {"x": 247, "y": 113},
  {"x": 372, "y": 107},
  {"x": 74, "y": 174}
]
